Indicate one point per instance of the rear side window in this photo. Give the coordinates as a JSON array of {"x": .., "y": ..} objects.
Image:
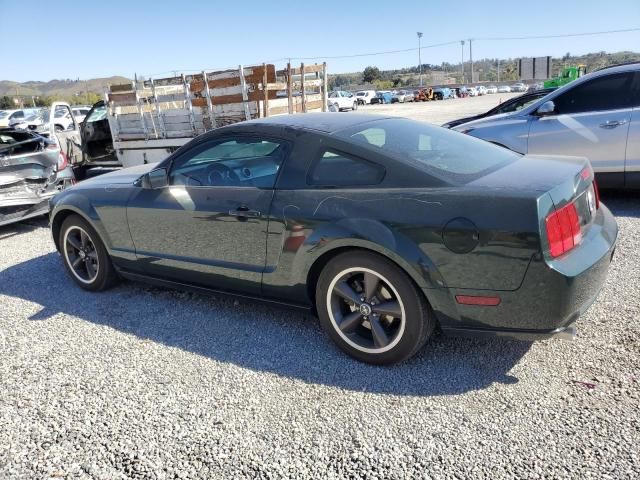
[
  {"x": 610, "y": 92},
  {"x": 337, "y": 169},
  {"x": 444, "y": 154}
]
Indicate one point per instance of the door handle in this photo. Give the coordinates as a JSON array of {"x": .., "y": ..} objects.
[
  {"x": 244, "y": 212},
  {"x": 612, "y": 123}
]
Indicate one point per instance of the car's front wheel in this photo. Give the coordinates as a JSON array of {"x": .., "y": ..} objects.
[
  {"x": 85, "y": 256},
  {"x": 371, "y": 309}
]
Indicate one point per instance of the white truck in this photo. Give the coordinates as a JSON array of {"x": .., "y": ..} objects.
[{"x": 144, "y": 121}]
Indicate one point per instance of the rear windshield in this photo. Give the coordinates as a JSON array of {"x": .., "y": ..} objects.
[{"x": 450, "y": 156}]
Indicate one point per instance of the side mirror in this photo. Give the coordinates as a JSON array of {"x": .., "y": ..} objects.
[
  {"x": 154, "y": 179},
  {"x": 547, "y": 108}
]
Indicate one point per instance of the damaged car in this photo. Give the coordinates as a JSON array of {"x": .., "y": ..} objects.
[{"x": 32, "y": 170}]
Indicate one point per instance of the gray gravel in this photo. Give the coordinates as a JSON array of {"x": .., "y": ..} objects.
[{"x": 140, "y": 382}]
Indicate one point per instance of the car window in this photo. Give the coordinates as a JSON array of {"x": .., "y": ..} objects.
[
  {"x": 337, "y": 169},
  {"x": 333, "y": 95},
  {"x": 446, "y": 155},
  {"x": 238, "y": 162},
  {"x": 19, "y": 114},
  {"x": 609, "y": 92},
  {"x": 99, "y": 113}
]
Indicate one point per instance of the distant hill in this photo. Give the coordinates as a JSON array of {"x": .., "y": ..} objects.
[{"x": 59, "y": 88}]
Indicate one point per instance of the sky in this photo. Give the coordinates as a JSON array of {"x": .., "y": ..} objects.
[{"x": 88, "y": 39}]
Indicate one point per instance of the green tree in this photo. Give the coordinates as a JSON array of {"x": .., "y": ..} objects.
[
  {"x": 370, "y": 74},
  {"x": 6, "y": 103}
]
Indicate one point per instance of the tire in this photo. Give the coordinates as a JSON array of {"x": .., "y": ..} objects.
[
  {"x": 365, "y": 333},
  {"x": 76, "y": 230},
  {"x": 58, "y": 128}
]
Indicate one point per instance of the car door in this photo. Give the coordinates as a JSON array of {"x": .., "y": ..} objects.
[
  {"x": 590, "y": 120},
  {"x": 68, "y": 137},
  {"x": 208, "y": 224},
  {"x": 97, "y": 141}
]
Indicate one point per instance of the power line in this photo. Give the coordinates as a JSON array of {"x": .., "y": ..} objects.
[
  {"x": 375, "y": 53},
  {"x": 560, "y": 35},
  {"x": 532, "y": 37}
]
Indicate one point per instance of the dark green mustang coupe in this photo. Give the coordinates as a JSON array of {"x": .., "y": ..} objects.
[{"x": 387, "y": 227}]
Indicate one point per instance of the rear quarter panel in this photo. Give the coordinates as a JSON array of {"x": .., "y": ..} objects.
[{"x": 407, "y": 226}]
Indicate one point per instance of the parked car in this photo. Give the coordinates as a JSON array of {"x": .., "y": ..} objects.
[
  {"x": 40, "y": 120},
  {"x": 10, "y": 116},
  {"x": 492, "y": 89},
  {"x": 482, "y": 90},
  {"x": 382, "y": 96},
  {"x": 341, "y": 100},
  {"x": 534, "y": 87},
  {"x": 80, "y": 112},
  {"x": 424, "y": 95},
  {"x": 595, "y": 116},
  {"x": 511, "y": 105},
  {"x": 32, "y": 170},
  {"x": 401, "y": 96},
  {"x": 388, "y": 227},
  {"x": 504, "y": 89},
  {"x": 519, "y": 87},
  {"x": 472, "y": 91},
  {"x": 364, "y": 96},
  {"x": 462, "y": 91},
  {"x": 442, "y": 93}
]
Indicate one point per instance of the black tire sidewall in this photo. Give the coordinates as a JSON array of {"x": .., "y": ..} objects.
[
  {"x": 106, "y": 273},
  {"x": 419, "y": 320}
]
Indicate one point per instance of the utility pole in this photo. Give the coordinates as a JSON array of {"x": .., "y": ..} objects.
[
  {"x": 420, "y": 56},
  {"x": 471, "y": 59},
  {"x": 498, "y": 70},
  {"x": 462, "y": 61}
]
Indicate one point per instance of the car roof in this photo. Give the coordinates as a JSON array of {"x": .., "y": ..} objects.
[{"x": 324, "y": 122}]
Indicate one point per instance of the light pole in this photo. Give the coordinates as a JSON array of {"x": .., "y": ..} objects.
[
  {"x": 419, "y": 55},
  {"x": 462, "y": 61}
]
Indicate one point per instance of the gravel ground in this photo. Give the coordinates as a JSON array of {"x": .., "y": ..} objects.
[{"x": 140, "y": 382}]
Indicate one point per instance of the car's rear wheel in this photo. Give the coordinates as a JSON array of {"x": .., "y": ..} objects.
[
  {"x": 85, "y": 256},
  {"x": 371, "y": 309}
]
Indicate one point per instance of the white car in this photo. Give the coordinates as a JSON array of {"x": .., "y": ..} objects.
[
  {"x": 402, "y": 96},
  {"x": 472, "y": 91},
  {"x": 504, "y": 89},
  {"x": 341, "y": 100},
  {"x": 8, "y": 117},
  {"x": 492, "y": 89},
  {"x": 519, "y": 87},
  {"x": 39, "y": 121},
  {"x": 364, "y": 96},
  {"x": 482, "y": 90}
]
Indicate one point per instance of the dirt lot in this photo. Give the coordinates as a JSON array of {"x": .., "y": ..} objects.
[
  {"x": 140, "y": 382},
  {"x": 442, "y": 111}
]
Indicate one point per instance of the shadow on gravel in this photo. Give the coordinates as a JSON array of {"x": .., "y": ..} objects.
[
  {"x": 13, "y": 229},
  {"x": 622, "y": 203},
  {"x": 258, "y": 337}
]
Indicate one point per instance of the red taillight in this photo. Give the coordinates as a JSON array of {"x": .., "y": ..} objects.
[
  {"x": 563, "y": 230},
  {"x": 62, "y": 161}
]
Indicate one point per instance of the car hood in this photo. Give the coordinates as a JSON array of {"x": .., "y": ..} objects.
[
  {"x": 119, "y": 177},
  {"x": 498, "y": 119}
]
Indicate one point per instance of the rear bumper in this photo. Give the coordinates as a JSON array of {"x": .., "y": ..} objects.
[{"x": 552, "y": 296}]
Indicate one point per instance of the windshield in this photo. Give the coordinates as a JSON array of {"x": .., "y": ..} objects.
[
  {"x": 361, "y": 94},
  {"x": 4, "y": 114},
  {"x": 445, "y": 154}
]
